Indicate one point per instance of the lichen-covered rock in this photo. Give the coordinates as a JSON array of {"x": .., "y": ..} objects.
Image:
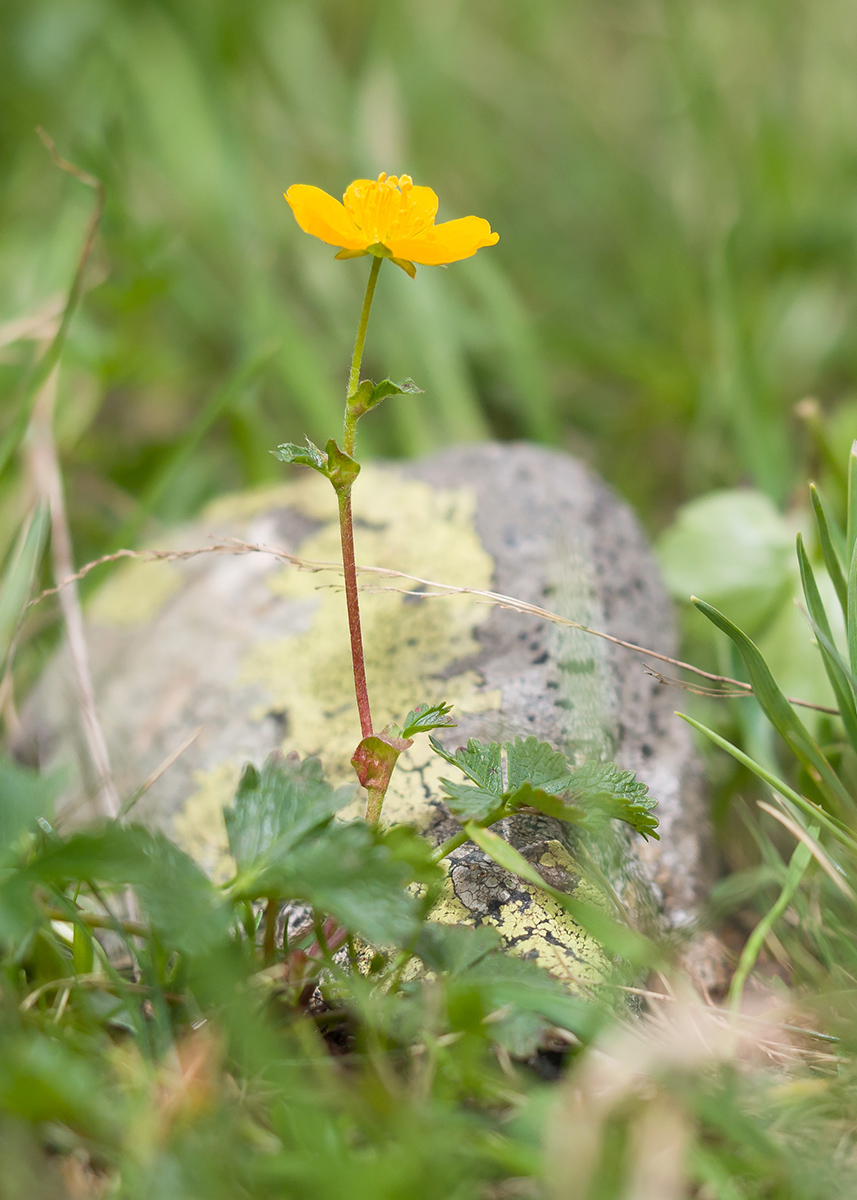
[{"x": 256, "y": 654}]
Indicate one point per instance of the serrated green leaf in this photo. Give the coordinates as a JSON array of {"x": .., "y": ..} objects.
[
  {"x": 346, "y": 871},
  {"x": 179, "y": 900},
  {"x": 408, "y": 846},
  {"x": 480, "y": 763},
  {"x": 527, "y": 987},
  {"x": 387, "y": 387},
  {"x": 530, "y": 761},
  {"x": 454, "y": 948},
  {"x": 426, "y": 717},
  {"x": 303, "y": 456},
  {"x": 832, "y": 544},
  {"x": 546, "y": 802},
  {"x": 602, "y": 787},
  {"x": 276, "y": 807},
  {"x": 370, "y": 394},
  {"x": 24, "y": 797},
  {"x": 779, "y": 712},
  {"x": 467, "y": 803}
]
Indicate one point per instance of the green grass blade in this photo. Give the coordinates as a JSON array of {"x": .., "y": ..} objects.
[
  {"x": 832, "y": 544},
  {"x": 851, "y": 525},
  {"x": 20, "y": 575},
  {"x": 45, "y": 365},
  {"x": 841, "y": 681},
  {"x": 798, "y": 863},
  {"x": 219, "y": 404},
  {"x": 851, "y": 611},
  {"x": 836, "y": 828},
  {"x": 779, "y": 712}
]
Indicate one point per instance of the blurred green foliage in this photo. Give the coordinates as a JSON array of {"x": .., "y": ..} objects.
[{"x": 673, "y": 184}]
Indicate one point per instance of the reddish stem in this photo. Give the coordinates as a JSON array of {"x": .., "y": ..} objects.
[{"x": 349, "y": 568}]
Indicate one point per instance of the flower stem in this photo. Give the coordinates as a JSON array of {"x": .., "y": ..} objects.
[
  {"x": 346, "y": 522},
  {"x": 357, "y": 358},
  {"x": 349, "y": 570}
]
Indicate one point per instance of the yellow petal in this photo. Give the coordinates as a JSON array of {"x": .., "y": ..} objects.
[
  {"x": 324, "y": 217},
  {"x": 384, "y": 209},
  {"x": 445, "y": 243}
]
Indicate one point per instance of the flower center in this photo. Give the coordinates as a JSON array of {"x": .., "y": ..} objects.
[{"x": 386, "y": 209}]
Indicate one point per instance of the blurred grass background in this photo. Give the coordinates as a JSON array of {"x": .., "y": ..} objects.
[{"x": 674, "y": 183}]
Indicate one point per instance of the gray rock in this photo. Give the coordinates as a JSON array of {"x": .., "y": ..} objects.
[{"x": 256, "y": 654}]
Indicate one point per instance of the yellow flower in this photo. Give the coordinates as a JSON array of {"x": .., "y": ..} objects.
[{"x": 389, "y": 218}]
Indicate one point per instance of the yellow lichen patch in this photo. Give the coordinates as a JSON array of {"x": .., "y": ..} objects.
[
  {"x": 412, "y": 645},
  {"x": 534, "y": 925},
  {"x": 199, "y": 827},
  {"x": 135, "y": 594},
  {"x": 237, "y": 506}
]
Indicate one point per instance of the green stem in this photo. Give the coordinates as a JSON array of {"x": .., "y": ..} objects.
[
  {"x": 800, "y": 860},
  {"x": 346, "y": 521},
  {"x": 374, "y": 804},
  {"x": 269, "y": 946},
  {"x": 352, "y": 603},
  {"x": 350, "y": 426}
]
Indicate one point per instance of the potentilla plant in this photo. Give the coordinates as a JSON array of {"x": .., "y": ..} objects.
[{"x": 390, "y": 218}]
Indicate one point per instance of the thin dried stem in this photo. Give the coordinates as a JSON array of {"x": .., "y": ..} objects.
[
  {"x": 47, "y": 478},
  {"x": 237, "y": 546}
]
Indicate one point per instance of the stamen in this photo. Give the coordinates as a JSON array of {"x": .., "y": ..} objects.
[
  {"x": 393, "y": 182},
  {"x": 405, "y": 183},
  {"x": 382, "y": 176}
]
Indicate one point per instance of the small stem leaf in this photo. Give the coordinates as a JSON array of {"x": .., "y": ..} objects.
[
  {"x": 375, "y": 758},
  {"x": 369, "y": 394},
  {"x": 832, "y": 547},
  {"x": 407, "y": 266},
  {"x": 303, "y": 456},
  {"x": 426, "y": 717},
  {"x": 342, "y": 470}
]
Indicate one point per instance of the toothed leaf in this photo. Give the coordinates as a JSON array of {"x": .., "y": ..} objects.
[
  {"x": 425, "y": 717},
  {"x": 479, "y": 763},
  {"x": 531, "y": 761},
  {"x": 303, "y": 456}
]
